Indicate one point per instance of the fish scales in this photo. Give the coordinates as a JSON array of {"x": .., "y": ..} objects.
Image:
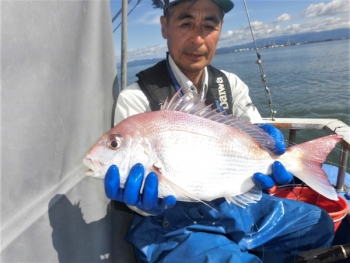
[
  {"x": 218, "y": 149},
  {"x": 197, "y": 158}
]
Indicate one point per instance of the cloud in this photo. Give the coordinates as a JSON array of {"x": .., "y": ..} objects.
[
  {"x": 293, "y": 29},
  {"x": 332, "y": 8},
  {"x": 147, "y": 52},
  {"x": 282, "y": 18},
  {"x": 265, "y": 30},
  {"x": 317, "y": 17},
  {"x": 323, "y": 24},
  {"x": 243, "y": 35},
  {"x": 150, "y": 17},
  {"x": 227, "y": 35}
]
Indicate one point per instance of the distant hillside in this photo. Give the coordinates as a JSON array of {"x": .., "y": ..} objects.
[
  {"x": 281, "y": 40},
  {"x": 143, "y": 62},
  {"x": 292, "y": 39}
]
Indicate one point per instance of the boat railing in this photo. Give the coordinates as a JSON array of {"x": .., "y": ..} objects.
[{"x": 331, "y": 126}]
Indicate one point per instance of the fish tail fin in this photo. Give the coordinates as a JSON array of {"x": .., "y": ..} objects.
[
  {"x": 165, "y": 183},
  {"x": 308, "y": 168}
]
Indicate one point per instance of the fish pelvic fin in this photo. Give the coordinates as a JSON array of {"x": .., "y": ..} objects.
[
  {"x": 308, "y": 167},
  {"x": 242, "y": 200},
  {"x": 169, "y": 186}
]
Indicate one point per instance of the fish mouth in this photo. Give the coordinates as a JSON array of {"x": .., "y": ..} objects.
[
  {"x": 90, "y": 172},
  {"x": 95, "y": 167}
]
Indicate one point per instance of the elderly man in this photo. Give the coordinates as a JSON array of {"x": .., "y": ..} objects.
[{"x": 272, "y": 230}]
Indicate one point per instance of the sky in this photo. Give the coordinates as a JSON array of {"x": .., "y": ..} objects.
[{"x": 268, "y": 18}]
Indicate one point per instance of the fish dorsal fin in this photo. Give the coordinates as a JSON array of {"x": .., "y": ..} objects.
[{"x": 192, "y": 104}]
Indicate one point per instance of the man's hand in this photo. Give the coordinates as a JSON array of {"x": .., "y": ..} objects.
[
  {"x": 148, "y": 201},
  {"x": 277, "y": 135},
  {"x": 279, "y": 174}
]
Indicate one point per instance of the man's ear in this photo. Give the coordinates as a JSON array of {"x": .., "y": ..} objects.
[{"x": 163, "y": 22}]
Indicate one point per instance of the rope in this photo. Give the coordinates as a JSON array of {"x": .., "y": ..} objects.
[{"x": 120, "y": 12}]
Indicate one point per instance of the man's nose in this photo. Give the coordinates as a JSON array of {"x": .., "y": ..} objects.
[{"x": 197, "y": 37}]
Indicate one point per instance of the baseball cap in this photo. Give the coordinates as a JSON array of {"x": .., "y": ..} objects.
[{"x": 226, "y": 5}]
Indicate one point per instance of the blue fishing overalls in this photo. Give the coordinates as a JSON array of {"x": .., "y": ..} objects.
[{"x": 272, "y": 230}]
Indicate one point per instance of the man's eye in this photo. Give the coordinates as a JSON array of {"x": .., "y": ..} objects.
[{"x": 209, "y": 27}]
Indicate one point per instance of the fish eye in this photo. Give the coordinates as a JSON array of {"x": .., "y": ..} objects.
[{"x": 115, "y": 142}]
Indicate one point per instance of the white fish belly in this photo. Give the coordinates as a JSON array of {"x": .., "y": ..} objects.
[{"x": 207, "y": 166}]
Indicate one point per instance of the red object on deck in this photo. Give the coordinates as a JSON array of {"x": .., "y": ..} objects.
[{"x": 336, "y": 209}]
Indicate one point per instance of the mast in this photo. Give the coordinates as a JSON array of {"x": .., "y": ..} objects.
[{"x": 124, "y": 43}]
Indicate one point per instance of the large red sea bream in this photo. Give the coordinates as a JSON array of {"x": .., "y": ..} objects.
[{"x": 199, "y": 154}]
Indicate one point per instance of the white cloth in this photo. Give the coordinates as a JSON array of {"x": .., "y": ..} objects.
[{"x": 132, "y": 100}]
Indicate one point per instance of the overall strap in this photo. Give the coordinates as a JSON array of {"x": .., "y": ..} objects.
[
  {"x": 219, "y": 90},
  {"x": 157, "y": 85},
  {"x": 155, "y": 82}
]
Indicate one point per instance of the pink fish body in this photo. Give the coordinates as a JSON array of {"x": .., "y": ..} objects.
[{"x": 202, "y": 155}]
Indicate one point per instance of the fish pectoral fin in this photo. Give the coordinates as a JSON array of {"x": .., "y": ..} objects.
[
  {"x": 243, "y": 200},
  {"x": 232, "y": 199},
  {"x": 156, "y": 170},
  {"x": 158, "y": 167},
  {"x": 167, "y": 184}
]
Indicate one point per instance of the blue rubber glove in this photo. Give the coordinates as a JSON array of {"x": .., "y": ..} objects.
[
  {"x": 279, "y": 174},
  {"x": 277, "y": 135},
  {"x": 148, "y": 201}
]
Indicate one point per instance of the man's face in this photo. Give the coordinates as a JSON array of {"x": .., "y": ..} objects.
[{"x": 192, "y": 33}]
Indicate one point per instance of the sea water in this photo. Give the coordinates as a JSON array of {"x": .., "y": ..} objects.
[{"x": 310, "y": 80}]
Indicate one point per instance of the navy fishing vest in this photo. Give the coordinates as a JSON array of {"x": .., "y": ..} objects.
[{"x": 155, "y": 82}]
